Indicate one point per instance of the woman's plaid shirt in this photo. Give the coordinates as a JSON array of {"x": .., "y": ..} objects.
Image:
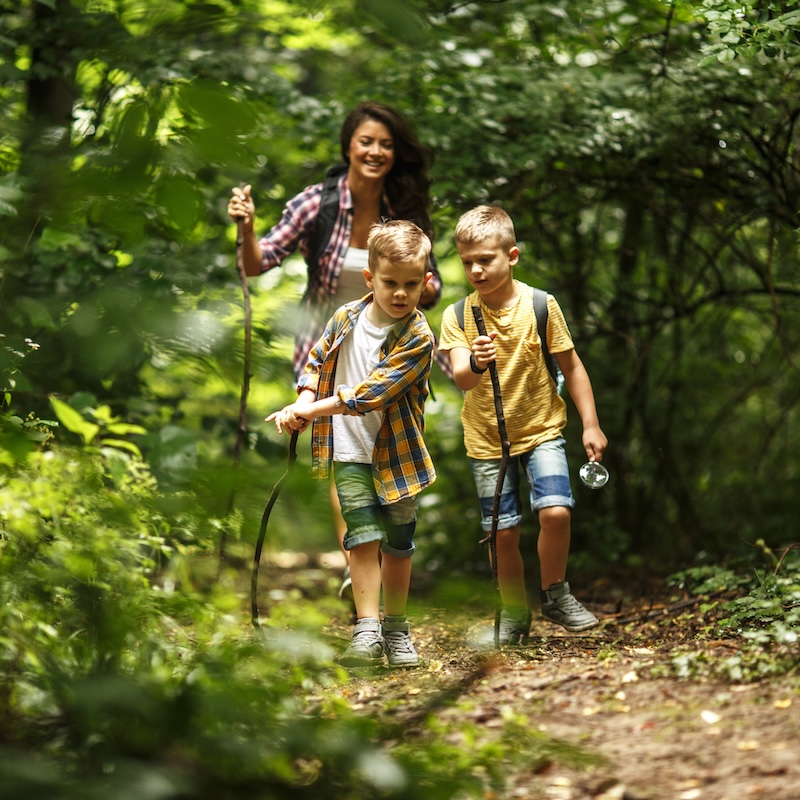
[
  {"x": 398, "y": 386},
  {"x": 294, "y": 231}
]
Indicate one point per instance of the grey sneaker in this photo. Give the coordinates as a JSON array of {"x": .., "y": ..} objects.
[
  {"x": 561, "y": 607},
  {"x": 366, "y": 647},
  {"x": 515, "y": 625},
  {"x": 399, "y": 648}
]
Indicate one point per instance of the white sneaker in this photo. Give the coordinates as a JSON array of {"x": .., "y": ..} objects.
[
  {"x": 366, "y": 648},
  {"x": 397, "y": 640},
  {"x": 560, "y": 606}
]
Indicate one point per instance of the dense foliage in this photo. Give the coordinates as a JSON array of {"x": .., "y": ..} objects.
[{"x": 647, "y": 151}]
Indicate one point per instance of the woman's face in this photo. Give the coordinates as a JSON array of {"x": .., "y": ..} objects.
[{"x": 371, "y": 150}]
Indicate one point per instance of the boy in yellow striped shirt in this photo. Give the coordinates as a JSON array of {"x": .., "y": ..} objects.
[{"x": 535, "y": 416}]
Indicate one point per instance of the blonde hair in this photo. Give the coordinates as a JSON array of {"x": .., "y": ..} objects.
[
  {"x": 398, "y": 240},
  {"x": 483, "y": 223}
]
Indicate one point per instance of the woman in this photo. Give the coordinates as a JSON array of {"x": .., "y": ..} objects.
[{"x": 385, "y": 174}]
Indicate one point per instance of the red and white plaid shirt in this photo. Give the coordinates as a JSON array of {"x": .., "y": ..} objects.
[{"x": 293, "y": 231}]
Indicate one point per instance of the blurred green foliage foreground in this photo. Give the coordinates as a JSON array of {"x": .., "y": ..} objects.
[{"x": 647, "y": 152}]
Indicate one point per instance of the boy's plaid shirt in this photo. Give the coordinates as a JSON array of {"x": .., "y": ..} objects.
[
  {"x": 398, "y": 386},
  {"x": 294, "y": 231}
]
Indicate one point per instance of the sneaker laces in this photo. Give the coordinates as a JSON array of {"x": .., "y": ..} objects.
[
  {"x": 398, "y": 641},
  {"x": 366, "y": 637},
  {"x": 569, "y": 603}
]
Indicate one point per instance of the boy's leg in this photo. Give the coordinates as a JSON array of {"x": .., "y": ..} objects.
[
  {"x": 515, "y": 616},
  {"x": 551, "y": 498},
  {"x": 365, "y": 573},
  {"x": 396, "y": 577},
  {"x": 553, "y": 544},
  {"x": 511, "y": 569},
  {"x": 360, "y": 509}
]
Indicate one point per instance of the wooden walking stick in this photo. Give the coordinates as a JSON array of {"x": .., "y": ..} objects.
[
  {"x": 241, "y": 430},
  {"x": 501, "y": 474},
  {"x": 263, "y": 529}
]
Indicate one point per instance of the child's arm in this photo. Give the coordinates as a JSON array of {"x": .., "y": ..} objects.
[
  {"x": 462, "y": 361},
  {"x": 299, "y": 415},
  {"x": 580, "y": 390},
  {"x": 406, "y": 365}
]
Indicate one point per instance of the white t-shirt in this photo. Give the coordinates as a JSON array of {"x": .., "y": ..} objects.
[
  {"x": 354, "y": 436},
  {"x": 352, "y": 285}
]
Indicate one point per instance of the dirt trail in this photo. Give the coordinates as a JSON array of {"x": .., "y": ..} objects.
[{"x": 612, "y": 691}]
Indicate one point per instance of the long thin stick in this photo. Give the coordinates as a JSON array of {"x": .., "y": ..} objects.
[
  {"x": 501, "y": 474},
  {"x": 263, "y": 530},
  {"x": 241, "y": 430}
]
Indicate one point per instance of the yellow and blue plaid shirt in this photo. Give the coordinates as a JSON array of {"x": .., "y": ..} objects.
[{"x": 398, "y": 386}]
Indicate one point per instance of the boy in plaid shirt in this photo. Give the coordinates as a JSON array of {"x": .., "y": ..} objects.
[{"x": 363, "y": 391}]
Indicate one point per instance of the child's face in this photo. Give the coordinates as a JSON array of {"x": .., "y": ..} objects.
[
  {"x": 487, "y": 265},
  {"x": 396, "y": 287}
]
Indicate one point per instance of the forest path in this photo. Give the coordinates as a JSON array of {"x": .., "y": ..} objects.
[{"x": 613, "y": 692}]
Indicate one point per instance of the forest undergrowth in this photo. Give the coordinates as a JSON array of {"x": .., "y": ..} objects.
[{"x": 130, "y": 668}]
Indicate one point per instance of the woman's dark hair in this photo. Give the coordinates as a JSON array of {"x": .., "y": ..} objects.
[{"x": 408, "y": 183}]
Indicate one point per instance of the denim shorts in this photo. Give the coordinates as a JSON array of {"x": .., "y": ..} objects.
[
  {"x": 367, "y": 519},
  {"x": 545, "y": 470}
]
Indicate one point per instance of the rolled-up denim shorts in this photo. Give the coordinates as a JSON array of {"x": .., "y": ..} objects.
[
  {"x": 368, "y": 520},
  {"x": 546, "y": 471}
]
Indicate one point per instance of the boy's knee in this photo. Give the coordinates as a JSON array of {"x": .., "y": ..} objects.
[
  {"x": 510, "y": 534},
  {"x": 554, "y": 516}
]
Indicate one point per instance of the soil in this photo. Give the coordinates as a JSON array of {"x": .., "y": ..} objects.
[{"x": 614, "y": 692}]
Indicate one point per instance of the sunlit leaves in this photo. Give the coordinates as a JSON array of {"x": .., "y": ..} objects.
[
  {"x": 749, "y": 29},
  {"x": 106, "y": 426}
]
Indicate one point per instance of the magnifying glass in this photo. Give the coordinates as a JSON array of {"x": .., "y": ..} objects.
[{"x": 593, "y": 475}]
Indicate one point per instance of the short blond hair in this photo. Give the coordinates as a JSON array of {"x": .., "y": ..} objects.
[
  {"x": 398, "y": 240},
  {"x": 483, "y": 223}
]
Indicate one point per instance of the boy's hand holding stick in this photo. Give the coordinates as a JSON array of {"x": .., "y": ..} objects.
[{"x": 506, "y": 451}]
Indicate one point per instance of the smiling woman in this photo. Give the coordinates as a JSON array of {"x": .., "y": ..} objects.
[{"x": 384, "y": 176}]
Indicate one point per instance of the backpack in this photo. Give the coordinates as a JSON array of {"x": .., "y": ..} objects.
[
  {"x": 326, "y": 219},
  {"x": 539, "y": 298}
]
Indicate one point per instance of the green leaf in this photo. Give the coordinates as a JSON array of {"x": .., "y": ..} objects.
[
  {"x": 122, "y": 444},
  {"x": 73, "y": 421},
  {"x": 123, "y": 428},
  {"x": 181, "y": 201},
  {"x": 34, "y": 312},
  {"x": 216, "y": 107}
]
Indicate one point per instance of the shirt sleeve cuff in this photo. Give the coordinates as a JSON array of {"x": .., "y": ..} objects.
[
  {"x": 348, "y": 397},
  {"x": 307, "y": 381}
]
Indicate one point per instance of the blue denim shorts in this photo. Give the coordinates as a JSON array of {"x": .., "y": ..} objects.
[
  {"x": 546, "y": 471},
  {"x": 367, "y": 519}
]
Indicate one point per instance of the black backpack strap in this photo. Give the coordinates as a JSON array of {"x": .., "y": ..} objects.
[
  {"x": 326, "y": 219},
  {"x": 459, "y": 309},
  {"x": 540, "y": 310}
]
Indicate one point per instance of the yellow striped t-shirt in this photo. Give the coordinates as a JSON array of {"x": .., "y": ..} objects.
[{"x": 533, "y": 411}]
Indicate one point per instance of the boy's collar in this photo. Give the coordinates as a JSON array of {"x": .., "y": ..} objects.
[{"x": 517, "y": 293}]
